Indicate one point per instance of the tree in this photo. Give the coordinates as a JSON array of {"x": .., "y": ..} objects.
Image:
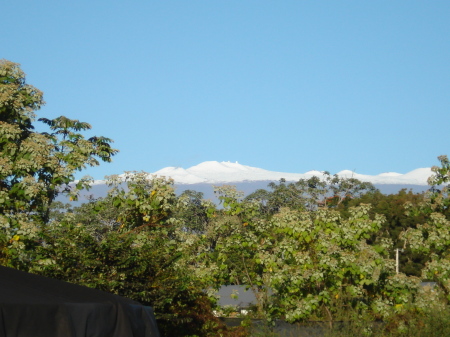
[
  {"x": 192, "y": 211},
  {"x": 441, "y": 175},
  {"x": 36, "y": 166},
  {"x": 308, "y": 194},
  {"x": 395, "y": 208},
  {"x": 139, "y": 250},
  {"x": 231, "y": 243},
  {"x": 432, "y": 236},
  {"x": 321, "y": 262},
  {"x": 301, "y": 263}
]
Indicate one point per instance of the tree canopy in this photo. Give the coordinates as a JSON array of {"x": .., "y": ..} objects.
[{"x": 37, "y": 166}]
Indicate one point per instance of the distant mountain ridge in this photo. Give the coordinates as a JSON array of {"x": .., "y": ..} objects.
[
  {"x": 248, "y": 179},
  {"x": 213, "y": 172}
]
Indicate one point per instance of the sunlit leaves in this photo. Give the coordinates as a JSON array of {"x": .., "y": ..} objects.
[
  {"x": 308, "y": 259},
  {"x": 35, "y": 167}
]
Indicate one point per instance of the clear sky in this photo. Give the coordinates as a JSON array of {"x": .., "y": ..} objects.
[{"x": 287, "y": 86}]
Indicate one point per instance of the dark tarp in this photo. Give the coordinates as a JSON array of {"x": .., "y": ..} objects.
[{"x": 37, "y": 306}]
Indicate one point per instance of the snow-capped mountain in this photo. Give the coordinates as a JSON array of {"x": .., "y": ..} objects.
[
  {"x": 248, "y": 179},
  {"x": 213, "y": 172}
]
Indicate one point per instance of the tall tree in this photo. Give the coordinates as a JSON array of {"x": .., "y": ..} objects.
[{"x": 36, "y": 166}]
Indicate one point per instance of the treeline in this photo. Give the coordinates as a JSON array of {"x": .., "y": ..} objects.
[{"x": 316, "y": 249}]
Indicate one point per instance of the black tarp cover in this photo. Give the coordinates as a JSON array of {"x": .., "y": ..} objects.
[{"x": 37, "y": 306}]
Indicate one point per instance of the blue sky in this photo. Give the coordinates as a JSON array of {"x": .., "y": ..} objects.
[{"x": 287, "y": 86}]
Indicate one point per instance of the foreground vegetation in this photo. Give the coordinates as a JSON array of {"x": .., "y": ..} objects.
[
  {"x": 320, "y": 249},
  {"x": 423, "y": 324}
]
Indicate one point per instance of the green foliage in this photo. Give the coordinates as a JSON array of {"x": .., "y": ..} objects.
[
  {"x": 301, "y": 263},
  {"x": 432, "y": 239},
  {"x": 441, "y": 174},
  {"x": 309, "y": 194},
  {"x": 130, "y": 243},
  {"x": 35, "y": 167},
  {"x": 144, "y": 203},
  {"x": 323, "y": 261},
  {"x": 192, "y": 211},
  {"x": 396, "y": 210}
]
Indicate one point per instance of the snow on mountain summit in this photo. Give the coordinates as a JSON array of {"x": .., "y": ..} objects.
[
  {"x": 314, "y": 173},
  {"x": 223, "y": 172},
  {"x": 214, "y": 166},
  {"x": 419, "y": 175},
  {"x": 347, "y": 173},
  {"x": 179, "y": 174},
  {"x": 214, "y": 172},
  {"x": 389, "y": 174}
]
